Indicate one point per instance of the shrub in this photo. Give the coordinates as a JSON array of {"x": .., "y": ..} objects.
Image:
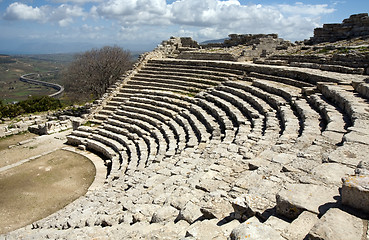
[{"x": 31, "y": 105}]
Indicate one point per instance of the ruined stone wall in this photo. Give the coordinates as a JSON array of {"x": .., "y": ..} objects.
[{"x": 355, "y": 26}]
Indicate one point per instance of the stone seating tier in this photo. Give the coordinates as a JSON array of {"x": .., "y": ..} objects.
[{"x": 247, "y": 153}]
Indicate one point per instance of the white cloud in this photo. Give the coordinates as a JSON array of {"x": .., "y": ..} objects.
[
  {"x": 20, "y": 11},
  {"x": 302, "y": 9},
  {"x": 156, "y": 20},
  {"x": 63, "y": 14},
  {"x": 76, "y": 1}
]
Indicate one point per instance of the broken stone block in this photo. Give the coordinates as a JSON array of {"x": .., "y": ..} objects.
[
  {"x": 355, "y": 192},
  {"x": 301, "y": 226},
  {"x": 249, "y": 205},
  {"x": 362, "y": 168},
  {"x": 337, "y": 225},
  {"x": 206, "y": 229},
  {"x": 189, "y": 213},
  {"x": 163, "y": 214},
  {"x": 296, "y": 198},
  {"x": 216, "y": 207},
  {"x": 253, "y": 229},
  {"x": 278, "y": 224}
]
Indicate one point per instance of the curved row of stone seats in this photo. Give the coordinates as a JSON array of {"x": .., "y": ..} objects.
[
  {"x": 362, "y": 87},
  {"x": 336, "y": 122},
  {"x": 165, "y": 84},
  {"x": 354, "y": 106},
  {"x": 337, "y": 63},
  {"x": 285, "y": 80},
  {"x": 189, "y": 109},
  {"x": 253, "y": 131},
  {"x": 100, "y": 146},
  {"x": 194, "y": 66},
  {"x": 149, "y": 123},
  {"x": 169, "y": 103},
  {"x": 158, "y": 75},
  {"x": 188, "y": 117},
  {"x": 185, "y": 78},
  {"x": 260, "y": 111},
  {"x": 140, "y": 142},
  {"x": 225, "y": 124},
  {"x": 246, "y": 120},
  {"x": 290, "y": 124},
  {"x": 155, "y": 117}
]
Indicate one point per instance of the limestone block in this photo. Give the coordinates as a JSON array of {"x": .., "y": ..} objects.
[
  {"x": 277, "y": 223},
  {"x": 189, "y": 213},
  {"x": 332, "y": 173},
  {"x": 284, "y": 158},
  {"x": 248, "y": 205},
  {"x": 76, "y": 122},
  {"x": 349, "y": 154},
  {"x": 228, "y": 227},
  {"x": 301, "y": 226},
  {"x": 362, "y": 168},
  {"x": 216, "y": 207},
  {"x": 296, "y": 198},
  {"x": 163, "y": 214},
  {"x": 355, "y": 192},
  {"x": 337, "y": 225},
  {"x": 253, "y": 229},
  {"x": 206, "y": 229}
]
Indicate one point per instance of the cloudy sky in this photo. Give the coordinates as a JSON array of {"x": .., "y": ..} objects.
[{"x": 72, "y": 25}]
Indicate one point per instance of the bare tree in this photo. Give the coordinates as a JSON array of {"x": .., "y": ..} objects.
[{"x": 93, "y": 72}]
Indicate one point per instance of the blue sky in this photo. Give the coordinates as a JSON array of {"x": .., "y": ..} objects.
[{"x": 78, "y": 25}]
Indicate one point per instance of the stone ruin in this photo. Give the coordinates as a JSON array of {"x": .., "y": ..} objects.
[
  {"x": 209, "y": 149},
  {"x": 355, "y": 26}
]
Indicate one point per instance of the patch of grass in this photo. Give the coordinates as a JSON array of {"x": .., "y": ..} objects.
[{"x": 323, "y": 51}]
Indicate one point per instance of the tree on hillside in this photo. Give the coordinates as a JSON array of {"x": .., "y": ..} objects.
[{"x": 93, "y": 72}]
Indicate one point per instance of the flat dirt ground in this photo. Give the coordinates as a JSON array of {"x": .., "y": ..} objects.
[{"x": 41, "y": 186}]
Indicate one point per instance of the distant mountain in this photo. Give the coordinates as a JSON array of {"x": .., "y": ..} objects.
[{"x": 214, "y": 41}]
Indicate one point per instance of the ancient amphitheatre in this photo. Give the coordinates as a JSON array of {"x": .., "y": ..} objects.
[{"x": 248, "y": 139}]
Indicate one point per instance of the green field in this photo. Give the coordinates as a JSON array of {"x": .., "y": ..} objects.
[{"x": 12, "y": 67}]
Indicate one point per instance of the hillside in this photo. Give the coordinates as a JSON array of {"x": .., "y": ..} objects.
[{"x": 12, "y": 67}]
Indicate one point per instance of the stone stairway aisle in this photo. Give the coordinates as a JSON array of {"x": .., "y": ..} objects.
[{"x": 254, "y": 152}]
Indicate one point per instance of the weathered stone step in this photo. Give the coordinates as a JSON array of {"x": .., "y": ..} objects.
[
  {"x": 131, "y": 148},
  {"x": 329, "y": 67},
  {"x": 285, "y": 80},
  {"x": 271, "y": 118},
  {"x": 154, "y": 131},
  {"x": 356, "y": 108},
  {"x": 212, "y": 72},
  {"x": 157, "y": 81},
  {"x": 134, "y": 137},
  {"x": 203, "y": 65},
  {"x": 175, "y": 76},
  {"x": 176, "y": 103},
  {"x": 143, "y": 115},
  {"x": 226, "y": 125},
  {"x": 310, "y": 119},
  {"x": 286, "y": 91},
  {"x": 362, "y": 87}
]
